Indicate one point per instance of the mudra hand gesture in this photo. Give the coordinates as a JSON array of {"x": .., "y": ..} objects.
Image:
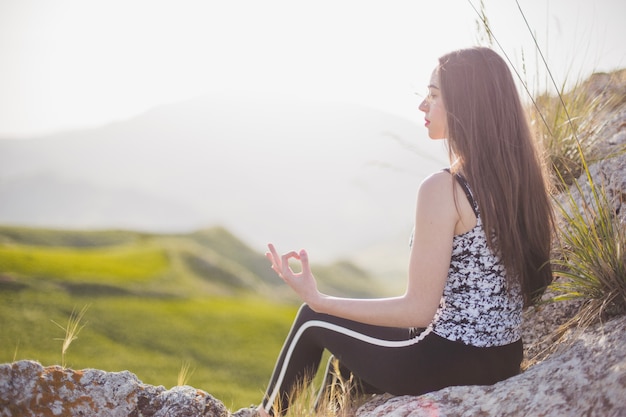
[{"x": 303, "y": 282}]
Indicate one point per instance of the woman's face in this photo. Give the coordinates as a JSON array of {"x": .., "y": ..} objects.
[{"x": 434, "y": 110}]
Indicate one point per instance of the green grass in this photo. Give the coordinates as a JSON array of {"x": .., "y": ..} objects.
[
  {"x": 202, "y": 308},
  {"x": 591, "y": 255},
  {"x": 231, "y": 343},
  {"x": 110, "y": 265}
]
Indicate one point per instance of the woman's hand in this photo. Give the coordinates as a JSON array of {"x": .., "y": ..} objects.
[{"x": 303, "y": 282}]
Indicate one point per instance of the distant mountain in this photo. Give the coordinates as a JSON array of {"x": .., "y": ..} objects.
[
  {"x": 49, "y": 200},
  {"x": 206, "y": 262},
  {"x": 327, "y": 176}
]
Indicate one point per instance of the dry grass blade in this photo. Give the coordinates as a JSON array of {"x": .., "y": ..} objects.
[
  {"x": 72, "y": 329},
  {"x": 590, "y": 257},
  {"x": 338, "y": 397},
  {"x": 184, "y": 374}
]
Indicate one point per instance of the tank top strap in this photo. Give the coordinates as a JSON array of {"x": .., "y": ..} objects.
[{"x": 466, "y": 188}]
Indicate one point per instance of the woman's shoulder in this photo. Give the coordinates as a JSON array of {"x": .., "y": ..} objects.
[
  {"x": 441, "y": 195},
  {"x": 436, "y": 192},
  {"x": 435, "y": 182}
]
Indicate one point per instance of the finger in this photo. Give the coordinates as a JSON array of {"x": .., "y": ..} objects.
[
  {"x": 274, "y": 256},
  {"x": 273, "y": 251},
  {"x": 285, "y": 261},
  {"x": 304, "y": 258},
  {"x": 270, "y": 257}
]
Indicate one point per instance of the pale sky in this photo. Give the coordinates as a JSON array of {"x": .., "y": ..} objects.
[{"x": 69, "y": 64}]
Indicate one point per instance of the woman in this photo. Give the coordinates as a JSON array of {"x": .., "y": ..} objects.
[{"x": 466, "y": 288}]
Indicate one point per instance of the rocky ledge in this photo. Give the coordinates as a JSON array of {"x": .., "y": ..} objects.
[
  {"x": 586, "y": 375},
  {"x": 27, "y": 389}
]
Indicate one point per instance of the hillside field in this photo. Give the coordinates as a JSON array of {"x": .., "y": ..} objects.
[{"x": 154, "y": 305}]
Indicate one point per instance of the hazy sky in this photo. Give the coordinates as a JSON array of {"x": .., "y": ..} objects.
[{"x": 76, "y": 63}]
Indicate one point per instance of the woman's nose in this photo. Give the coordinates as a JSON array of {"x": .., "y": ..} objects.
[{"x": 424, "y": 105}]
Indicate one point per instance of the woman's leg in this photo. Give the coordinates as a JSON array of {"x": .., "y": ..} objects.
[{"x": 310, "y": 334}]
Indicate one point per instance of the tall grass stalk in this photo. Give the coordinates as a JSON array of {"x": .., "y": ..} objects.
[
  {"x": 591, "y": 256},
  {"x": 17, "y": 346},
  {"x": 72, "y": 329},
  {"x": 569, "y": 128},
  {"x": 338, "y": 399},
  {"x": 565, "y": 123},
  {"x": 484, "y": 22},
  {"x": 184, "y": 374},
  {"x": 483, "y": 28}
]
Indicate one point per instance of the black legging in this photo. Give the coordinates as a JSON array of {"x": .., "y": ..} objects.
[{"x": 384, "y": 359}]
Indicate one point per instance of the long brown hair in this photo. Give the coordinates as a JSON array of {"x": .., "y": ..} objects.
[{"x": 489, "y": 134}]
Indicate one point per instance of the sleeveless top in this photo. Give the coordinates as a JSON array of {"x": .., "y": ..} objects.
[{"x": 477, "y": 307}]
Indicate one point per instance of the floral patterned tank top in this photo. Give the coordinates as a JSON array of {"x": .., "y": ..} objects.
[{"x": 477, "y": 307}]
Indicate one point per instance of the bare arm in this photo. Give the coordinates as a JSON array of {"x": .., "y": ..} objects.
[{"x": 435, "y": 221}]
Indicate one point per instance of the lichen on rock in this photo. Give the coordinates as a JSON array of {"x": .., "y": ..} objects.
[{"x": 27, "y": 389}]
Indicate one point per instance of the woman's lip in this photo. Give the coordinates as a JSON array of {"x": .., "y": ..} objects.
[{"x": 427, "y": 122}]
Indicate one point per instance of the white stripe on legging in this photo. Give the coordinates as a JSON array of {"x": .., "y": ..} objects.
[{"x": 339, "y": 329}]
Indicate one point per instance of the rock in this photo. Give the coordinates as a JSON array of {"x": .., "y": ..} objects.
[
  {"x": 27, "y": 389},
  {"x": 608, "y": 175},
  {"x": 585, "y": 376},
  {"x": 606, "y": 156}
]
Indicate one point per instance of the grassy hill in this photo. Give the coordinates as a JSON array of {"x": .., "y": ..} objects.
[{"x": 155, "y": 305}]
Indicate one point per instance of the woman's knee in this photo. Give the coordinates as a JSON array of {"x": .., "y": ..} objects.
[{"x": 305, "y": 313}]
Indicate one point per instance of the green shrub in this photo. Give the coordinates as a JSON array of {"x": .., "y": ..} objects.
[{"x": 590, "y": 255}]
